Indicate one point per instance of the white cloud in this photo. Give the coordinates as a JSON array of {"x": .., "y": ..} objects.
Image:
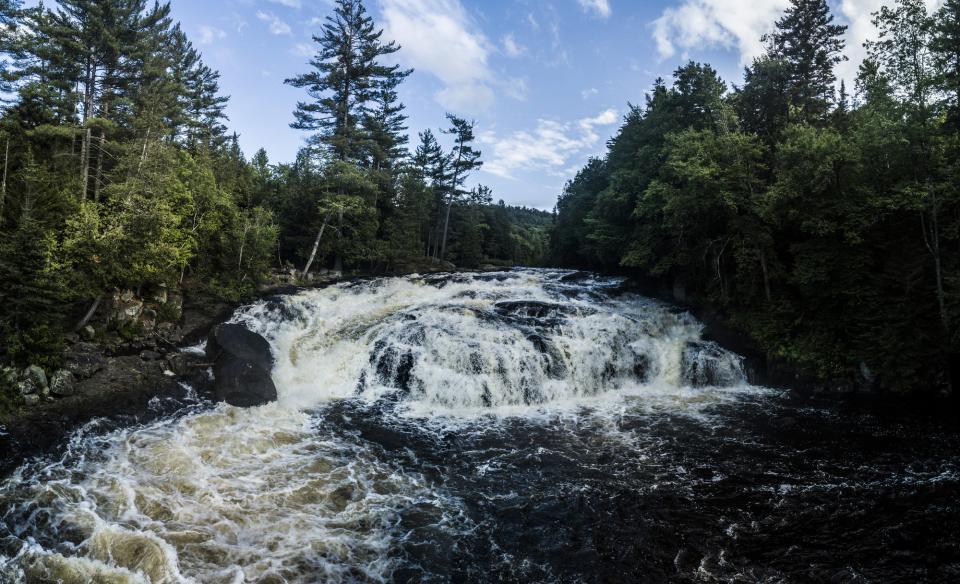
[
  {"x": 515, "y": 88},
  {"x": 588, "y": 93},
  {"x": 856, "y": 14},
  {"x": 737, "y": 25},
  {"x": 438, "y": 37},
  {"x": 550, "y": 147},
  {"x": 303, "y": 50},
  {"x": 711, "y": 23},
  {"x": 276, "y": 25},
  {"x": 289, "y": 3},
  {"x": 209, "y": 34},
  {"x": 511, "y": 47},
  {"x": 599, "y": 7}
]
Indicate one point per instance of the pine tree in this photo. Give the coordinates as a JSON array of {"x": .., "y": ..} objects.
[
  {"x": 463, "y": 160},
  {"x": 946, "y": 49},
  {"x": 808, "y": 42},
  {"x": 346, "y": 73}
]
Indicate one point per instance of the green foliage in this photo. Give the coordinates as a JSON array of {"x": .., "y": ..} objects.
[{"x": 827, "y": 231}]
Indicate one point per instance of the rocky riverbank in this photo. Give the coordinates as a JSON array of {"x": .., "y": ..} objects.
[{"x": 132, "y": 362}]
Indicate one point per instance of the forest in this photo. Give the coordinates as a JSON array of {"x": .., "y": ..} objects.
[
  {"x": 823, "y": 221},
  {"x": 120, "y": 173}
]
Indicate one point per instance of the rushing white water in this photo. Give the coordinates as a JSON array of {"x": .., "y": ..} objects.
[{"x": 274, "y": 494}]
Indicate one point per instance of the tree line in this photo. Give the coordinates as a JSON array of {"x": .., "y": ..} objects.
[
  {"x": 119, "y": 172},
  {"x": 824, "y": 223}
]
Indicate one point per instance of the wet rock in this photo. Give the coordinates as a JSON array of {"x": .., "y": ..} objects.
[
  {"x": 576, "y": 277},
  {"x": 31, "y": 399},
  {"x": 706, "y": 363},
  {"x": 642, "y": 367},
  {"x": 87, "y": 333},
  {"x": 83, "y": 359},
  {"x": 149, "y": 355},
  {"x": 242, "y": 362},
  {"x": 241, "y": 342},
  {"x": 62, "y": 383}
]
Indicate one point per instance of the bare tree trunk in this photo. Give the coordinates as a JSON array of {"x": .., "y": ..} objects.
[
  {"x": 931, "y": 237},
  {"x": 446, "y": 225},
  {"x": 3, "y": 185},
  {"x": 316, "y": 245},
  {"x": 143, "y": 155},
  {"x": 98, "y": 178},
  {"x": 90, "y": 312},
  {"x": 766, "y": 275},
  {"x": 85, "y": 163}
]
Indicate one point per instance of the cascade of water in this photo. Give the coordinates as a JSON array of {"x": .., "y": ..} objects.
[
  {"x": 280, "y": 493},
  {"x": 460, "y": 343}
]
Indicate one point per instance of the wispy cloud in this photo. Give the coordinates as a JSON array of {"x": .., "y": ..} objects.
[
  {"x": 274, "y": 23},
  {"x": 511, "y": 47},
  {"x": 439, "y": 37},
  {"x": 600, "y": 8},
  {"x": 303, "y": 50},
  {"x": 550, "y": 147},
  {"x": 209, "y": 34},
  {"x": 588, "y": 93},
  {"x": 289, "y": 3}
]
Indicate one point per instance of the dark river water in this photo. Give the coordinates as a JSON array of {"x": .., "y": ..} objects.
[{"x": 527, "y": 426}]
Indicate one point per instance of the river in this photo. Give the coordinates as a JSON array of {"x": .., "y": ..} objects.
[{"x": 524, "y": 426}]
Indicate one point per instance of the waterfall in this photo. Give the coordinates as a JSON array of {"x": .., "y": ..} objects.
[{"x": 325, "y": 483}]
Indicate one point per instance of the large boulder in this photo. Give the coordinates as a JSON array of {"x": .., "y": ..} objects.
[
  {"x": 242, "y": 362},
  {"x": 62, "y": 383}
]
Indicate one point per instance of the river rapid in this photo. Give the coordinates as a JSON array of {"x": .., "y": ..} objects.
[{"x": 523, "y": 426}]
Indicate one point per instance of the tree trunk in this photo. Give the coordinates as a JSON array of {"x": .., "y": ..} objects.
[
  {"x": 85, "y": 163},
  {"x": 143, "y": 155},
  {"x": 316, "y": 245},
  {"x": 90, "y": 312},
  {"x": 446, "y": 225},
  {"x": 931, "y": 237},
  {"x": 98, "y": 178},
  {"x": 766, "y": 275},
  {"x": 3, "y": 185}
]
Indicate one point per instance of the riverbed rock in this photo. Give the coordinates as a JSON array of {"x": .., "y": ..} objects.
[
  {"x": 31, "y": 399},
  {"x": 242, "y": 362},
  {"x": 62, "y": 383},
  {"x": 83, "y": 359},
  {"x": 706, "y": 363},
  {"x": 33, "y": 380}
]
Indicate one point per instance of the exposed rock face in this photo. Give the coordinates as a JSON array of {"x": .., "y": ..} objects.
[
  {"x": 84, "y": 359},
  {"x": 62, "y": 383},
  {"x": 242, "y": 362}
]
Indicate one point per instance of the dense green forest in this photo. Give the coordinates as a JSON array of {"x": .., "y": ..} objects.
[
  {"x": 119, "y": 172},
  {"x": 825, "y": 223}
]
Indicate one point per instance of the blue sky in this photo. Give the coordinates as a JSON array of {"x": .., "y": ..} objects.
[{"x": 547, "y": 81}]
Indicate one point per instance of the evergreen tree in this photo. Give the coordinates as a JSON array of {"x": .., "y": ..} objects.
[
  {"x": 346, "y": 74},
  {"x": 946, "y": 50},
  {"x": 810, "y": 45},
  {"x": 464, "y": 159}
]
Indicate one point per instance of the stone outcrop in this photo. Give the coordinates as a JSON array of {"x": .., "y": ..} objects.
[{"x": 242, "y": 363}]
